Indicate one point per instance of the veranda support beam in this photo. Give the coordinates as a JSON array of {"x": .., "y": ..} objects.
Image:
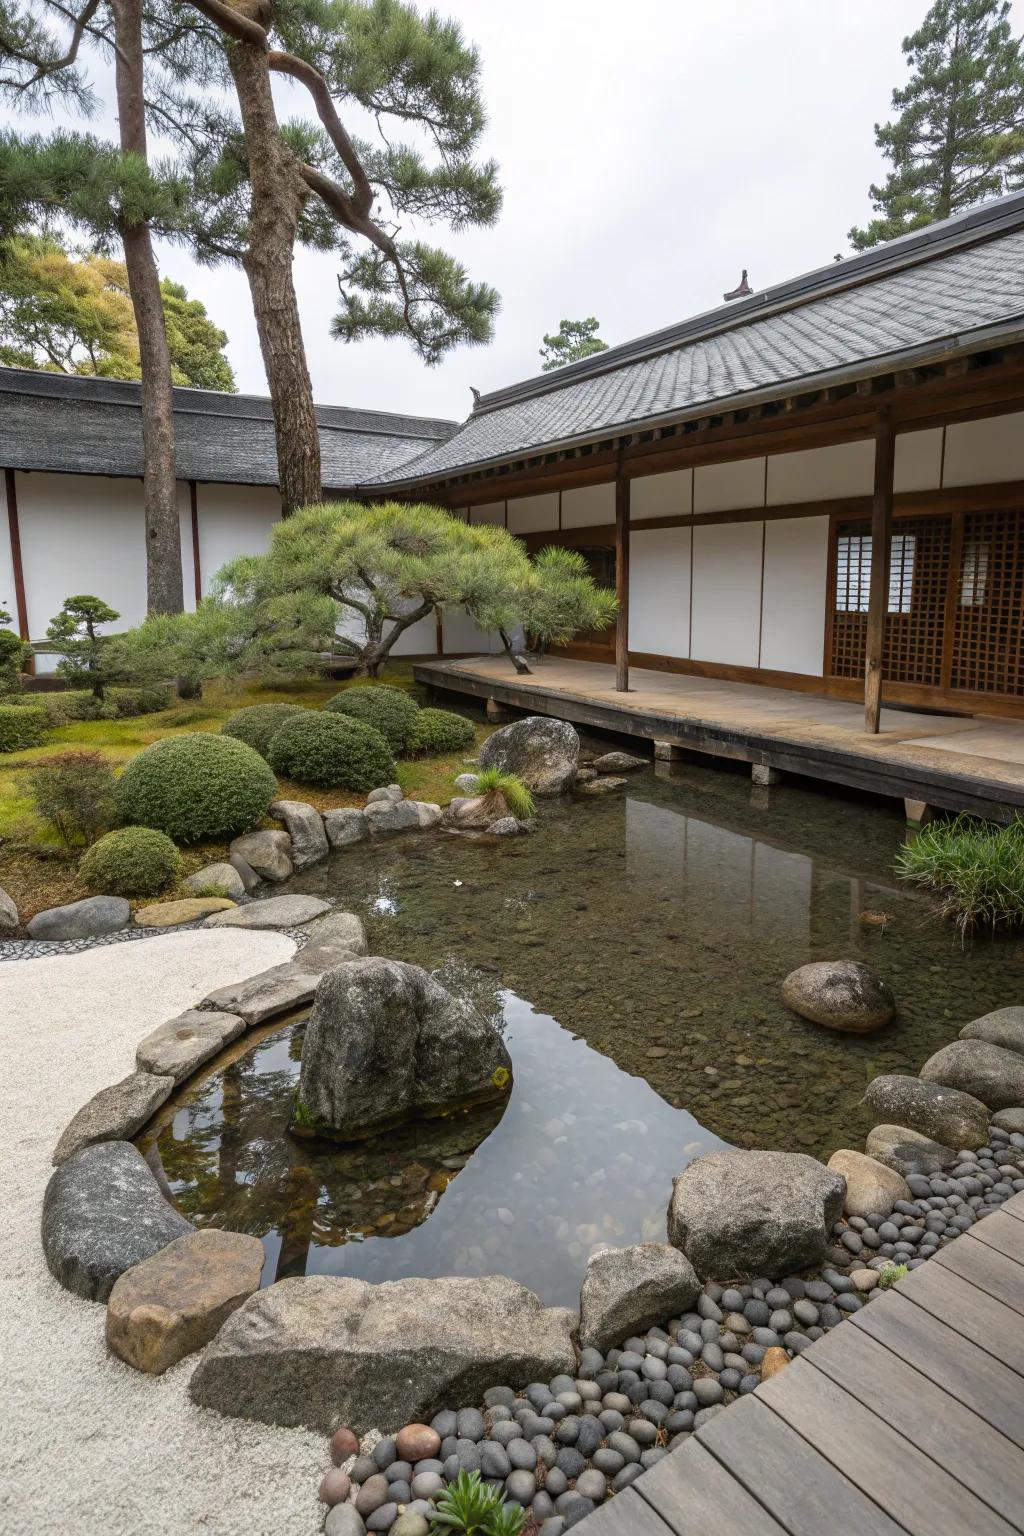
[
  {"x": 622, "y": 578},
  {"x": 878, "y": 596}
]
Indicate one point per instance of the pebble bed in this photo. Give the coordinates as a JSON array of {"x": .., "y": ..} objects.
[
  {"x": 560, "y": 1448},
  {"x": 35, "y": 949}
]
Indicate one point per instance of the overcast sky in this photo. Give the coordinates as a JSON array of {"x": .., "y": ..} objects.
[{"x": 648, "y": 152}]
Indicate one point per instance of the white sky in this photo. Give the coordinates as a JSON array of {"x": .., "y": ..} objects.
[{"x": 648, "y": 152}]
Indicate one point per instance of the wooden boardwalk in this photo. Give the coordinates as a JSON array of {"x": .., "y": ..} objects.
[
  {"x": 969, "y": 763},
  {"x": 908, "y": 1418}
]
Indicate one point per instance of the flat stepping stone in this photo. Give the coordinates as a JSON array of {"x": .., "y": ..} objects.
[
  {"x": 169, "y": 914},
  {"x": 332, "y": 940},
  {"x": 275, "y": 912},
  {"x": 173, "y": 1303},
  {"x": 115, "y": 1113},
  {"x": 92, "y": 918},
  {"x": 177, "y": 1048},
  {"x": 281, "y": 989}
]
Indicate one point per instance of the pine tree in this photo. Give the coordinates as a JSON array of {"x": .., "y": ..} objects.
[
  {"x": 573, "y": 339},
  {"x": 959, "y": 135}
]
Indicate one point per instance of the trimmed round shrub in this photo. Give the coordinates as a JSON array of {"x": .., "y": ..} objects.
[
  {"x": 257, "y": 724},
  {"x": 21, "y": 725},
  {"x": 331, "y": 750},
  {"x": 133, "y": 861},
  {"x": 439, "y": 731},
  {"x": 196, "y": 787},
  {"x": 387, "y": 709}
]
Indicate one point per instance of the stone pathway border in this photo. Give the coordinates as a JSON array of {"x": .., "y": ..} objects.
[{"x": 38, "y": 949}]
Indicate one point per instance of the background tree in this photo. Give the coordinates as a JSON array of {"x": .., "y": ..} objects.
[
  {"x": 68, "y": 313},
  {"x": 959, "y": 135},
  {"x": 574, "y": 339},
  {"x": 84, "y": 651},
  {"x": 13, "y": 655}
]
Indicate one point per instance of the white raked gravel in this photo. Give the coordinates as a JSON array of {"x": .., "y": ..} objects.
[{"x": 87, "y": 1445}]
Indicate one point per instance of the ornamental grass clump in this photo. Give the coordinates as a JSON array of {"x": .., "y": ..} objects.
[
  {"x": 975, "y": 867},
  {"x": 196, "y": 787},
  {"x": 133, "y": 861},
  {"x": 437, "y": 732},
  {"x": 76, "y": 793},
  {"x": 491, "y": 781},
  {"x": 331, "y": 751},
  {"x": 389, "y": 710},
  {"x": 258, "y": 724}
]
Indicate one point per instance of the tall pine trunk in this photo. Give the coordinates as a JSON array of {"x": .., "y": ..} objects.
[
  {"x": 164, "y": 591},
  {"x": 274, "y": 217}
]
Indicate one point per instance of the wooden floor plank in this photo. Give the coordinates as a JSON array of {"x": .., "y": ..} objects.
[
  {"x": 695, "y": 1495},
  {"x": 626, "y": 1515},
  {"x": 975, "y": 1315},
  {"x": 1015, "y": 1204},
  {"x": 978, "y": 1456},
  {"x": 987, "y": 1270},
  {"x": 916, "y": 1492},
  {"x": 1002, "y": 1233},
  {"x": 963, "y": 1370},
  {"x": 797, "y": 1485}
]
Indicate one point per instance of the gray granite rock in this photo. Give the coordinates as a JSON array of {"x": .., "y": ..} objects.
[
  {"x": 628, "y": 1290},
  {"x": 223, "y": 876},
  {"x": 384, "y": 816},
  {"x": 606, "y": 785},
  {"x": 345, "y": 826},
  {"x": 386, "y": 793},
  {"x": 466, "y": 783},
  {"x": 333, "y": 939},
  {"x": 742, "y": 1214},
  {"x": 267, "y": 853},
  {"x": 177, "y": 1048},
  {"x": 542, "y": 752},
  {"x": 871, "y": 1186},
  {"x": 985, "y": 1071},
  {"x": 505, "y": 826},
  {"x": 908, "y": 1151},
  {"x": 274, "y": 912},
  {"x": 244, "y": 870},
  {"x": 8, "y": 914},
  {"x": 1004, "y": 1027},
  {"x": 619, "y": 762},
  {"x": 385, "y": 1040},
  {"x": 115, "y": 1113},
  {"x": 279, "y": 990},
  {"x": 952, "y": 1118},
  {"x": 844, "y": 995},
  {"x": 1010, "y": 1120},
  {"x": 103, "y": 1213},
  {"x": 326, "y": 1349},
  {"x": 305, "y": 827},
  {"x": 88, "y": 919}
]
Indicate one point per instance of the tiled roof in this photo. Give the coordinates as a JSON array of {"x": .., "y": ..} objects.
[
  {"x": 934, "y": 293},
  {"x": 94, "y": 426}
]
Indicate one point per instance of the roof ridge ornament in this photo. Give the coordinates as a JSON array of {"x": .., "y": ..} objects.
[{"x": 742, "y": 290}]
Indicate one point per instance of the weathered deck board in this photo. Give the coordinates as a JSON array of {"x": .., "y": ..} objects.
[
  {"x": 952, "y": 1299},
  {"x": 989, "y": 1271},
  {"x": 695, "y": 1494},
  {"x": 1003, "y": 1234},
  {"x": 627, "y": 1512}
]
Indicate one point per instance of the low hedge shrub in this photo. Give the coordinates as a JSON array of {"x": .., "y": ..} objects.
[
  {"x": 257, "y": 723},
  {"x": 331, "y": 750},
  {"x": 195, "y": 787},
  {"x": 21, "y": 725},
  {"x": 389, "y": 710},
  {"x": 149, "y": 699},
  {"x": 133, "y": 861},
  {"x": 440, "y": 731}
]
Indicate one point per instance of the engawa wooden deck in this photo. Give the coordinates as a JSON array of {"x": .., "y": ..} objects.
[
  {"x": 908, "y": 1418},
  {"x": 969, "y": 763}
]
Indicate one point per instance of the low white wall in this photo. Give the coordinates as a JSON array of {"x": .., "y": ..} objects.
[
  {"x": 793, "y": 599},
  {"x": 726, "y": 593},
  {"x": 659, "y": 591},
  {"x": 533, "y": 514},
  {"x": 234, "y": 520}
]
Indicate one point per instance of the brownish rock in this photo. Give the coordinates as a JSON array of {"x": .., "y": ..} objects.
[
  {"x": 343, "y": 1445},
  {"x": 775, "y": 1360},
  {"x": 173, "y": 1303},
  {"x": 334, "y": 1486},
  {"x": 372, "y": 1494},
  {"x": 417, "y": 1442}
]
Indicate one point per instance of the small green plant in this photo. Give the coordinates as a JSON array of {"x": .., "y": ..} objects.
[
  {"x": 196, "y": 787},
  {"x": 889, "y": 1274},
  {"x": 517, "y": 797},
  {"x": 133, "y": 861},
  {"x": 257, "y": 724},
  {"x": 389, "y": 710},
  {"x": 75, "y": 793},
  {"x": 975, "y": 867},
  {"x": 472, "y": 1508},
  {"x": 21, "y": 726},
  {"x": 437, "y": 732},
  {"x": 331, "y": 750}
]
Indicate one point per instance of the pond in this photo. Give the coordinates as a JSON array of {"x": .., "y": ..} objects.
[{"x": 631, "y": 951}]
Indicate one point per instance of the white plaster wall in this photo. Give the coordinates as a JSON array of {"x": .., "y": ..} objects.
[
  {"x": 488, "y": 512},
  {"x": 819, "y": 474},
  {"x": 81, "y": 533},
  {"x": 659, "y": 591},
  {"x": 462, "y": 634},
  {"x": 7, "y": 598},
  {"x": 728, "y": 487},
  {"x": 188, "y": 570},
  {"x": 793, "y": 602},
  {"x": 234, "y": 520},
  {"x": 918, "y": 460},
  {"x": 726, "y": 592},
  {"x": 981, "y": 452},
  {"x": 668, "y": 495},
  {"x": 588, "y": 505},
  {"x": 533, "y": 514},
  {"x": 420, "y": 639}
]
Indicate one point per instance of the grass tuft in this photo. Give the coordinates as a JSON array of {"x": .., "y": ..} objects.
[
  {"x": 975, "y": 868},
  {"x": 516, "y": 795}
]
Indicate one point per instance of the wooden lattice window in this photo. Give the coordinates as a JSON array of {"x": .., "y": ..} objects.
[
  {"x": 988, "y": 632},
  {"x": 918, "y": 572}
]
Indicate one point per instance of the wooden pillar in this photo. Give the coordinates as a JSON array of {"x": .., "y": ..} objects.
[
  {"x": 878, "y": 597},
  {"x": 622, "y": 578},
  {"x": 197, "y": 571},
  {"x": 20, "y": 603}
]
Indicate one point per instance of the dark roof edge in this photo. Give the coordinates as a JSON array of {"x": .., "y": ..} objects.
[
  {"x": 995, "y": 217},
  {"x": 1006, "y": 332},
  {"x": 211, "y": 402}
]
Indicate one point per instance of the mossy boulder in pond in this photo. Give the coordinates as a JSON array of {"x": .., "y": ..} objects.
[
  {"x": 844, "y": 995},
  {"x": 541, "y": 752}
]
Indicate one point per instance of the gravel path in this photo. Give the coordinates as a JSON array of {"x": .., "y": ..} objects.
[{"x": 86, "y": 1443}]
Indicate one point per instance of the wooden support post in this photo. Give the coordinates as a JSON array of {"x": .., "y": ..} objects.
[
  {"x": 20, "y": 604},
  {"x": 878, "y": 597},
  {"x": 622, "y": 578},
  {"x": 197, "y": 570}
]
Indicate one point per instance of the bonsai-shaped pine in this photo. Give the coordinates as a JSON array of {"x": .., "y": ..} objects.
[{"x": 83, "y": 651}]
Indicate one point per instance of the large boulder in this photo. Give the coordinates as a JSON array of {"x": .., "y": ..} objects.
[
  {"x": 103, "y": 1213},
  {"x": 221, "y": 876},
  {"x": 388, "y": 815},
  {"x": 332, "y": 940},
  {"x": 268, "y": 854},
  {"x": 174, "y": 1302},
  {"x": 385, "y": 1041},
  {"x": 627, "y": 1290},
  {"x": 740, "y": 1214},
  {"x": 908, "y": 1151},
  {"x": 871, "y": 1186},
  {"x": 115, "y": 1113},
  {"x": 1004, "y": 1027},
  {"x": 275, "y": 912},
  {"x": 327, "y": 1350},
  {"x": 987, "y": 1072},
  {"x": 92, "y": 918},
  {"x": 951, "y": 1118},
  {"x": 8, "y": 915},
  {"x": 840, "y": 994},
  {"x": 281, "y": 989},
  {"x": 177, "y": 1048},
  {"x": 1010, "y": 1120},
  {"x": 345, "y": 826},
  {"x": 541, "y": 752},
  {"x": 305, "y": 827}
]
